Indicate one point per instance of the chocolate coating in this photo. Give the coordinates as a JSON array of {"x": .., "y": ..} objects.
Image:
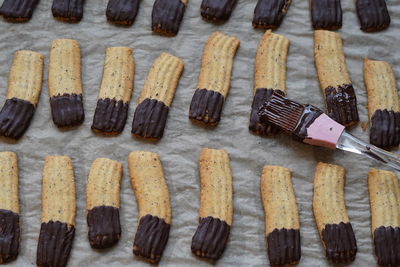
[
  {"x": 217, "y": 10},
  {"x": 206, "y": 106},
  {"x": 104, "y": 226},
  {"x": 150, "y": 119},
  {"x": 18, "y": 10},
  {"x": 151, "y": 238},
  {"x": 210, "y": 238},
  {"x": 269, "y": 14},
  {"x": 289, "y": 116},
  {"x": 55, "y": 243},
  {"x": 373, "y": 15},
  {"x": 387, "y": 245},
  {"x": 385, "y": 128},
  {"x": 68, "y": 10},
  {"x": 341, "y": 103},
  {"x": 9, "y": 236},
  {"x": 167, "y": 16},
  {"x": 284, "y": 246},
  {"x": 67, "y": 110},
  {"x": 340, "y": 242},
  {"x": 122, "y": 12},
  {"x": 110, "y": 116},
  {"x": 256, "y": 126},
  {"x": 326, "y": 14},
  {"x": 15, "y": 117}
]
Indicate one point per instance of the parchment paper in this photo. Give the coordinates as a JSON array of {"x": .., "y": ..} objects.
[{"x": 182, "y": 141}]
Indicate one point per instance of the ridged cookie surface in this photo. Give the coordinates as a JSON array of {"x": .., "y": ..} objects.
[
  {"x": 384, "y": 197},
  {"x": 18, "y": 10}
]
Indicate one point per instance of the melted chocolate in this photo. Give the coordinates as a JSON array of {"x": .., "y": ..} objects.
[
  {"x": 104, "y": 226},
  {"x": 15, "y": 117},
  {"x": 67, "y": 110},
  {"x": 341, "y": 104},
  {"x": 210, "y": 238},
  {"x": 340, "y": 242},
  {"x": 167, "y": 16},
  {"x": 217, "y": 10},
  {"x": 260, "y": 97},
  {"x": 284, "y": 246},
  {"x": 9, "y": 236},
  {"x": 150, "y": 119},
  {"x": 269, "y": 14},
  {"x": 373, "y": 15},
  {"x": 206, "y": 106},
  {"x": 122, "y": 11},
  {"x": 54, "y": 245},
  {"x": 387, "y": 246},
  {"x": 289, "y": 116},
  {"x": 18, "y": 10},
  {"x": 326, "y": 14},
  {"x": 151, "y": 238},
  {"x": 110, "y": 116},
  {"x": 385, "y": 129},
  {"x": 68, "y": 10}
]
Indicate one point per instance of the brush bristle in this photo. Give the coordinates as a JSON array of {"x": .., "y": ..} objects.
[{"x": 281, "y": 112}]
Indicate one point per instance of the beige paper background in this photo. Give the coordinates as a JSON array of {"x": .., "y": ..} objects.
[{"x": 180, "y": 146}]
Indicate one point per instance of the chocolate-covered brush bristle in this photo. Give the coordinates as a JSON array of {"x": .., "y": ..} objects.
[{"x": 282, "y": 112}]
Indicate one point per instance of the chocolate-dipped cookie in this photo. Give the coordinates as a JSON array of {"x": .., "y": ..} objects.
[
  {"x": 103, "y": 203},
  {"x": 122, "y": 12},
  {"x": 269, "y": 76},
  {"x": 24, "y": 86},
  {"x": 156, "y": 98},
  {"x": 326, "y": 14},
  {"x": 217, "y": 10},
  {"x": 115, "y": 91},
  {"x": 216, "y": 212},
  {"x": 151, "y": 191},
  {"x": 18, "y": 10},
  {"x": 167, "y": 16},
  {"x": 373, "y": 15},
  {"x": 68, "y": 10}
]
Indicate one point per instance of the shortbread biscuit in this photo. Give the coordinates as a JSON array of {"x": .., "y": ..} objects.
[
  {"x": 18, "y": 10},
  {"x": 282, "y": 224},
  {"x": 9, "y": 207},
  {"x": 102, "y": 203},
  {"x": 151, "y": 191},
  {"x": 384, "y": 197},
  {"x": 383, "y": 103},
  {"x": 65, "y": 84},
  {"x": 216, "y": 207},
  {"x": 122, "y": 12},
  {"x": 58, "y": 212},
  {"x": 214, "y": 79},
  {"x": 156, "y": 98},
  {"x": 68, "y": 10},
  {"x": 326, "y": 14},
  {"x": 24, "y": 86},
  {"x": 373, "y": 15},
  {"x": 330, "y": 213},
  {"x": 167, "y": 16},
  {"x": 334, "y": 79},
  {"x": 269, "y": 76},
  {"x": 217, "y": 11},
  {"x": 115, "y": 91},
  {"x": 268, "y": 14}
]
